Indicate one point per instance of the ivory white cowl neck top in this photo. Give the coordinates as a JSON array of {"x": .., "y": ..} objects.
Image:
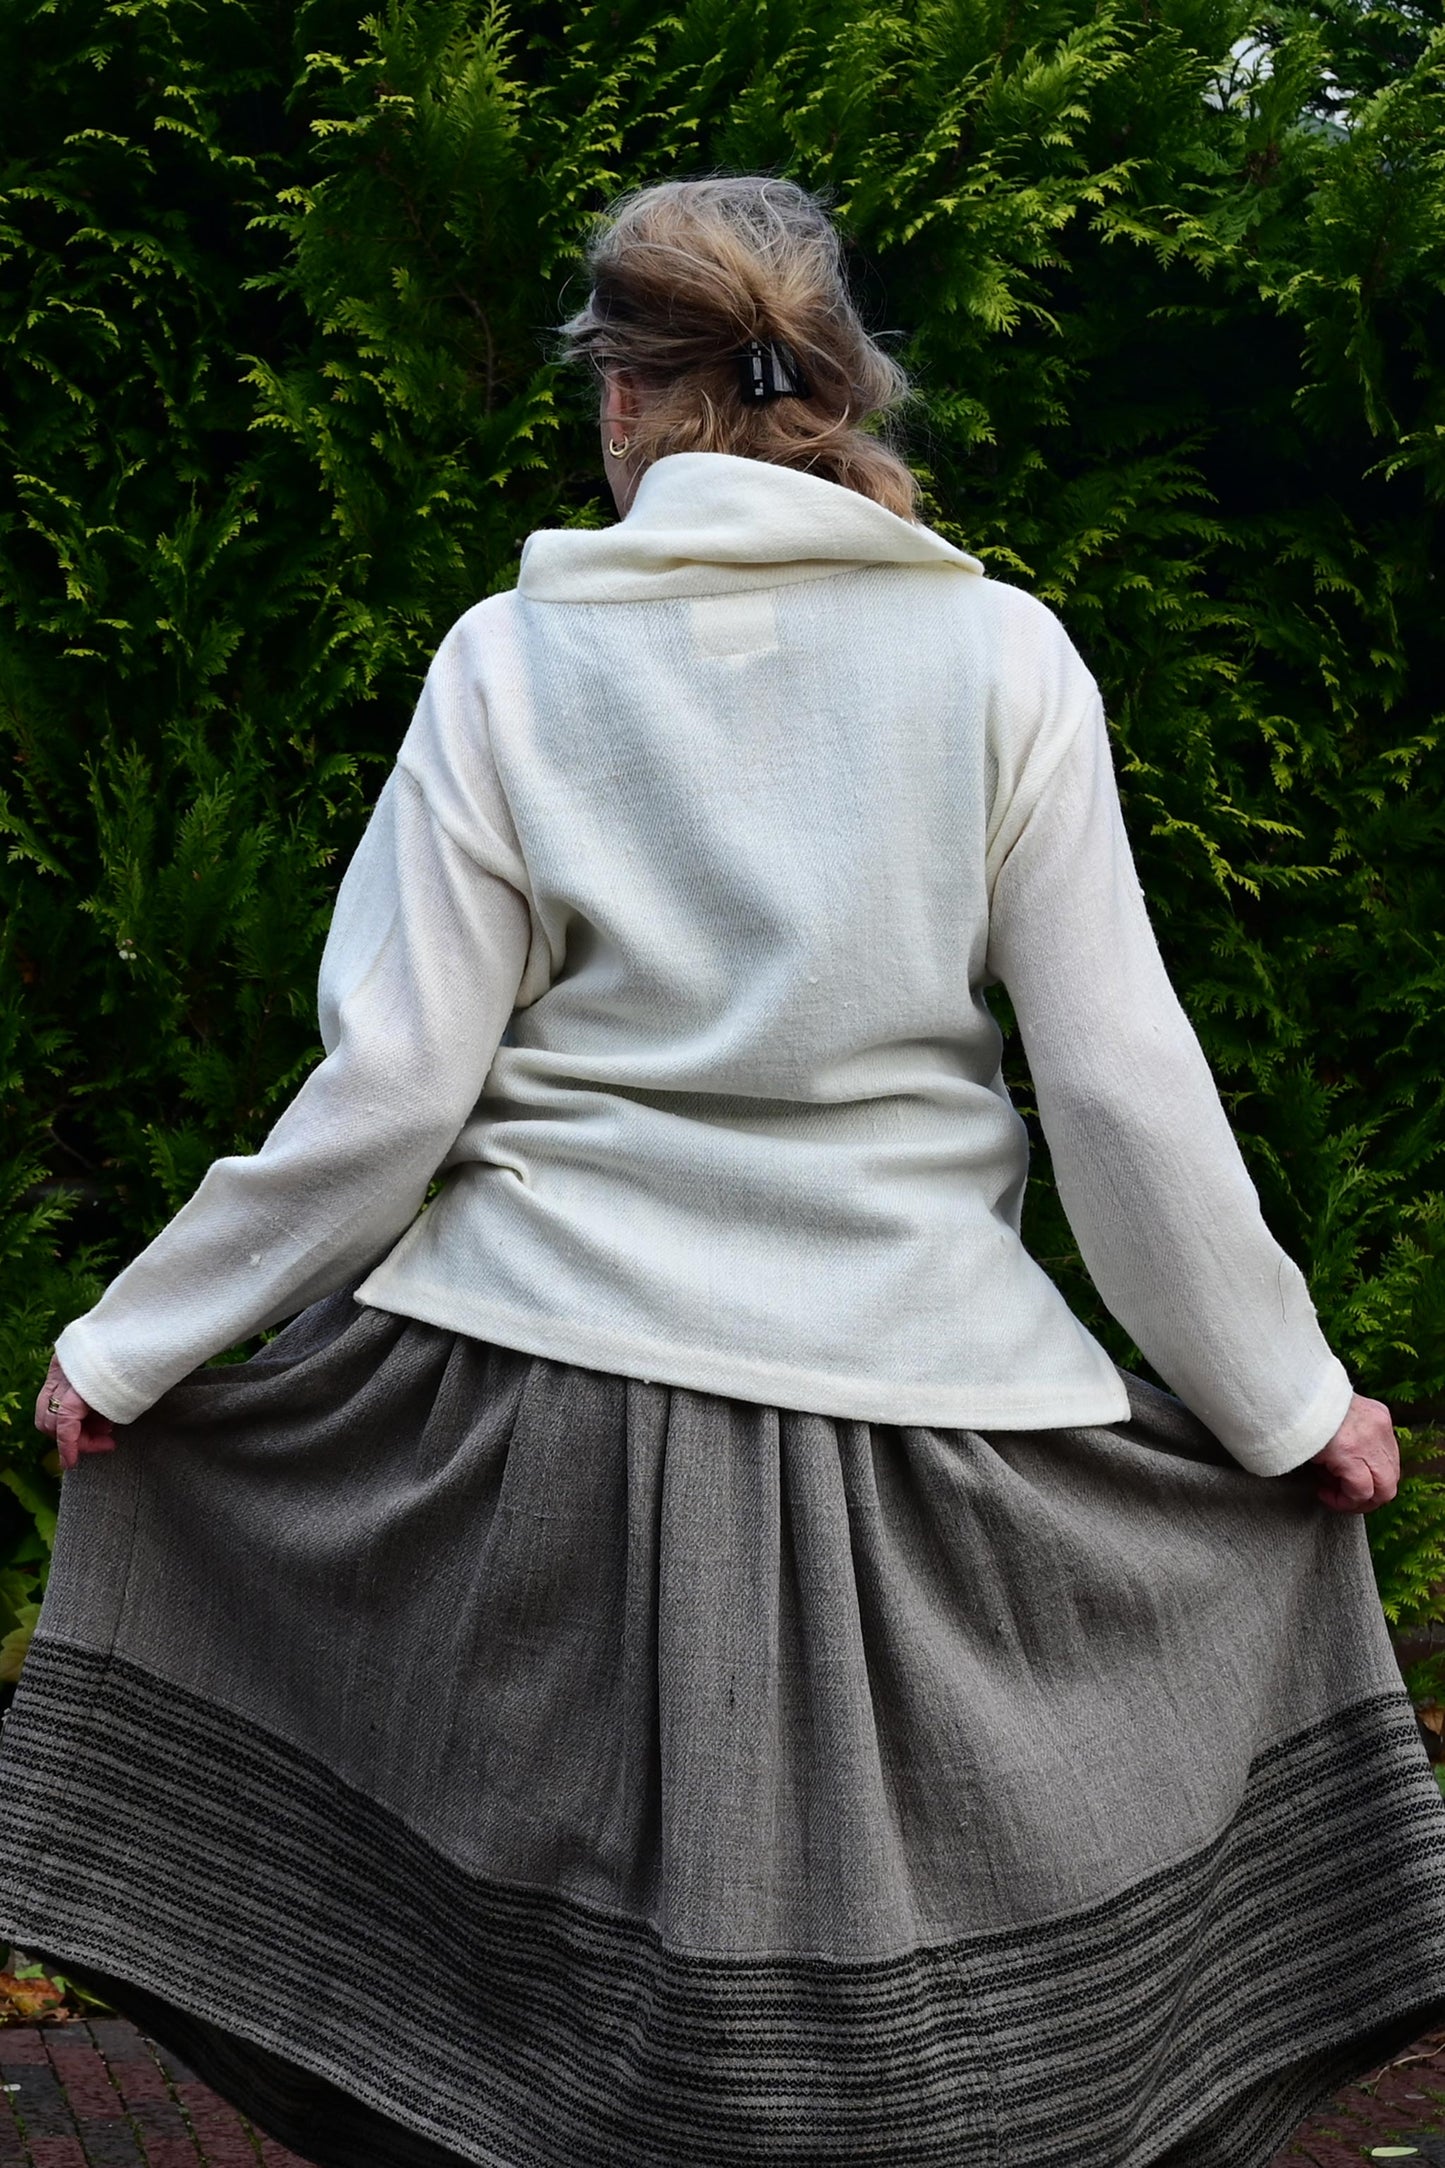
[{"x": 668, "y": 943}]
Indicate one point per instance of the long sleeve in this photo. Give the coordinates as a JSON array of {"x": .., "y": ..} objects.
[
  {"x": 418, "y": 979},
  {"x": 1149, "y": 1172}
]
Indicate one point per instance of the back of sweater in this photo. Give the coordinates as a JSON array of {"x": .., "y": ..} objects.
[
  {"x": 753, "y": 1137},
  {"x": 669, "y": 945}
]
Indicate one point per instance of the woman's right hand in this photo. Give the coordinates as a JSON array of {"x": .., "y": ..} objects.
[
  {"x": 73, "y": 1423},
  {"x": 1361, "y": 1463}
]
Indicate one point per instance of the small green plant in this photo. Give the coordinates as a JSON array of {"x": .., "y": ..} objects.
[
  {"x": 27, "y": 1534},
  {"x": 31, "y": 1994},
  {"x": 1407, "y": 1545}
]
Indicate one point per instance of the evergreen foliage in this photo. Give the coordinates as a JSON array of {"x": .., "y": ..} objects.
[{"x": 276, "y": 290}]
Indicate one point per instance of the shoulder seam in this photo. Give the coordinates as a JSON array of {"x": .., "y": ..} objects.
[{"x": 502, "y": 851}]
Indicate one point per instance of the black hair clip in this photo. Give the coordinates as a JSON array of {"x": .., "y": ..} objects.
[{"x": 770, "y": 371}]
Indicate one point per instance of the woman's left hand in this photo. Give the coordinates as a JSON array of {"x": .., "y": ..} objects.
[{"x": 74, "y": 1424}]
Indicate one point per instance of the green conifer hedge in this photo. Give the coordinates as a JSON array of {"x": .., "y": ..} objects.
[{"x": 278, "y": 405}]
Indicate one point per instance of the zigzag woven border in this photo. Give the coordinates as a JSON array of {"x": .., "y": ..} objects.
[{"x": 259, "y": 1914}]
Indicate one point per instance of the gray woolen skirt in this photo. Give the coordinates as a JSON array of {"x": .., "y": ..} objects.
[{"x": 458, "y": 1755}]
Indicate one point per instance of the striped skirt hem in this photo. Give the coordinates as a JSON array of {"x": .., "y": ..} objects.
[{"x": 1191, "y": 2021}]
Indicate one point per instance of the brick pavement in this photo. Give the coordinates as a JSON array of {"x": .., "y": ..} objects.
[
  {"x": 95, "y": 2093},
  {"x": 1401, "y": 2104}
]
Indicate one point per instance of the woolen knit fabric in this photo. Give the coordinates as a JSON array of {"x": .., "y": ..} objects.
[
  {"x": 460, "y": 1756},
  {"x": 668, "y": 945}
]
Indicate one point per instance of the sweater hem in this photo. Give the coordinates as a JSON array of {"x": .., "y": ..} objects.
[{"x": 741, "y": 1377}]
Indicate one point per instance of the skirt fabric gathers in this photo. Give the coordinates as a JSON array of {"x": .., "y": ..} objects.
[{"x": 461, "y": 1756}]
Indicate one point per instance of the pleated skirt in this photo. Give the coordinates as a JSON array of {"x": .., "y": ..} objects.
[{"x": 461, "y": 1756}]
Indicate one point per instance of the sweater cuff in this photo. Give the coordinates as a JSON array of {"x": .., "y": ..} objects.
[
  {"x": 97, "y": 1384},
  {"x": 1307, "y": 1435}
]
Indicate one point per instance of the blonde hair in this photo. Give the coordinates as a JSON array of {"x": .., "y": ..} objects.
[{"x": 683, "y": 274}]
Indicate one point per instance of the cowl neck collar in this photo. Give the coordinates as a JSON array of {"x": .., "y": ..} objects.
[{"x": 708, "y": 523}]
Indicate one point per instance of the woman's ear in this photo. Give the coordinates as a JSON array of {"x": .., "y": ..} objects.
[{"x": 621, "y": 400}]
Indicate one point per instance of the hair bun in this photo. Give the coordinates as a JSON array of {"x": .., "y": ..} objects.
[{"x": 726, "y": 298}]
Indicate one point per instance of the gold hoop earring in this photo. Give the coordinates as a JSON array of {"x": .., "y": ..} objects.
[{"x": 619, "y": 451}]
